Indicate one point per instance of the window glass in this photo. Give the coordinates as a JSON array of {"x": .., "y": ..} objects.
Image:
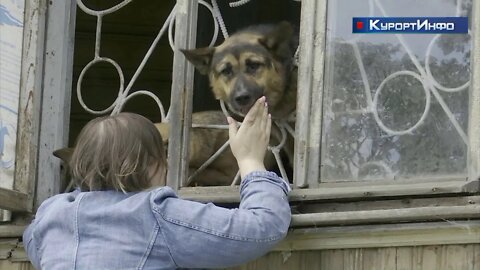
[
  {"x": 395, "y": 106},
  {"x": 11, "y": 35}
]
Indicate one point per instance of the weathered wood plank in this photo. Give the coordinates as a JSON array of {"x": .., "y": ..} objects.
[
  {"x": 322, "y": 207},
  {"x": 378, "y": 258},
  {"x": 6, "y": 247},
  {"x": 316, "y": 111},
  {"x": 448, "y": 257},
  {"x": 404, "y": 258},
  {"x": 231, "y": 194},
  {"x": 390, "y": 235},
  {"x": 352, "y": 259},
  {"x": 331, "y": 259},
  {"x": 19, "y": 254},
  {"x": 30, "y": 98},
  {"x": 305, "y": 79},
  {"x": 476, "y": 257},
  {"x": 188, "y": 98},
  {"x": 182, "y": 91},
  {"x": 14, "y": 200},
  {"x": 8, "y": 231},
  {"x": 386, "y": 216},
  {"x": 310, "y": 93},
  {"x": 457, "y": 257},
  {"x": 8, "y": 265},
  {"x": 55, "y": 112}
]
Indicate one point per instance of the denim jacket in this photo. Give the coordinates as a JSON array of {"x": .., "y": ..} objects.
[{"x": 156, "y": 230}]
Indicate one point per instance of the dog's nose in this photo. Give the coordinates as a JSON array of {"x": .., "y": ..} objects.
[{"x": 243, "y": 99}]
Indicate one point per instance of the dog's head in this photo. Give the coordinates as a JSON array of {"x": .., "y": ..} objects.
[{"x": 251, "y": 63}]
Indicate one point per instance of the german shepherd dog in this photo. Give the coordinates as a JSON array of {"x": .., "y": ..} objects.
[{"x": 254, "y": 62}]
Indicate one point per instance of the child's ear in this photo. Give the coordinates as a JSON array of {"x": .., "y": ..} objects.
[
  {"x": 65, "y": 154},
  {"x": 201, "y": 58},
  {"x": 279, "y": 39}
]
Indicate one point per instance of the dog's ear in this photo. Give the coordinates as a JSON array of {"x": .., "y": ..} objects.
[
  {"x": 201, "y": 58},
  {"x": 278, "y": 41},
  {"x": 65, "y": 154},
  {"x": 164, "y": 130}
]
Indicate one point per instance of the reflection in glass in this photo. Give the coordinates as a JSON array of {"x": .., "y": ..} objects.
[{"x": 396, "y": 106}]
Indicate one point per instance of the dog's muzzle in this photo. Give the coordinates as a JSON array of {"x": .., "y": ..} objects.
[{"x": 244, "y": 96}]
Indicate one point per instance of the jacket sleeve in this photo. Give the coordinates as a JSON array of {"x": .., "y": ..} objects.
[
  {"x": 206, "y": 236},
  {"x": 30, "y": 245}
]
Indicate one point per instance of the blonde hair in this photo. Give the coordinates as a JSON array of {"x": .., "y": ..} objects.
[{"x": 118, "y": 153}]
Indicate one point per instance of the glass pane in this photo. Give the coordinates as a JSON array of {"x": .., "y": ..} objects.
[
  {"x": 11, "y": 35},
  {"x": 396, "y": 106}
]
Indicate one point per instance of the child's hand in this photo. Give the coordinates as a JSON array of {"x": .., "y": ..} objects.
[{"x": 249, "y": 142}]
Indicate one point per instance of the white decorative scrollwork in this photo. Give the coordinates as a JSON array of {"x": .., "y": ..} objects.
[
  {"x": 422, "y": 74},
  {"x": 124, "y": 94}
]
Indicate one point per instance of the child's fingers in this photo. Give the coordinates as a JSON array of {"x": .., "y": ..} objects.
[
  {"x": 269, "y": 127},
  {"x": 232, "y": 127},
  {"x": 252, "y": 114},
  {"x": 264, "y": 116}
]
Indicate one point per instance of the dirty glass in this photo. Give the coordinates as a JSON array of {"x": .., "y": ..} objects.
[
  {"x": 395, "y": 106},
  {"x": 11, "y": 36}
]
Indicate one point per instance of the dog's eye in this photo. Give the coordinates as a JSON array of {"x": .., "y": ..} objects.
[
  {"x": 227, "y": 71},
  {"x": 252, "y": 67}
]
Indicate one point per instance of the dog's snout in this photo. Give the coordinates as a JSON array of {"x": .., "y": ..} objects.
[
  {"x": 245, "y": 93},
  {"x": 243, "y": 99}
]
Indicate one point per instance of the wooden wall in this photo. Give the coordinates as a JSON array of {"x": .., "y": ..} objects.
[
  {"x": 446, "y": 257},
  {"x": 451, "y": 257}
]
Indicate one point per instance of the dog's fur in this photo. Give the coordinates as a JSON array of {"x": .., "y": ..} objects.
[
  {"x": 254, "y": 62},
  {"x": 203, "y": 144},
  {"x": 251, "y": 63}
]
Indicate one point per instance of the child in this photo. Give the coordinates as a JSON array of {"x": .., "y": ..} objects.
[{"x": 117, "y": 219}]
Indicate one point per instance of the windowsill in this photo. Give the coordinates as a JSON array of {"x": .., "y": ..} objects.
[
  {"x": 351, "y": 193},
  {"x": 385, "y": 235}
]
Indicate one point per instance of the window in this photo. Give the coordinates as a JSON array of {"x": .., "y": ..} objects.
[
  {"x": 19, "y": 73},
  {"x": 395, "y": 106},
  {"x": 362, "y": 134}
]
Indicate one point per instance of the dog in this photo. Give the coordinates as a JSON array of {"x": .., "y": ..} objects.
[{"x": 256, "y": 61}]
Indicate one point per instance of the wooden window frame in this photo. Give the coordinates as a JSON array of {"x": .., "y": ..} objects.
[
  {"x": 308, "y": 141},
  {"x": 20, "y": 198},
  {"x": 44, "y": 105}
]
